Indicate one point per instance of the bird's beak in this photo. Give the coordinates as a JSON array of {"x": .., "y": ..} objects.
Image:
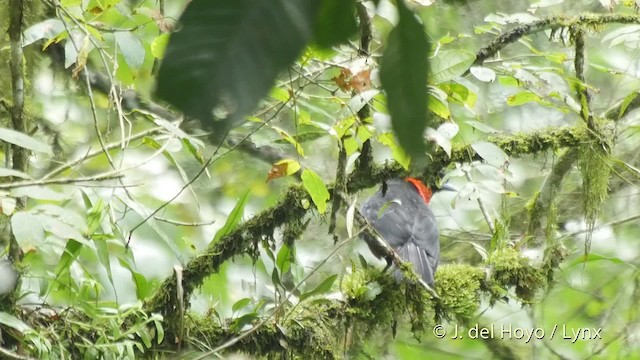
[{"x": 448, "y": 187}]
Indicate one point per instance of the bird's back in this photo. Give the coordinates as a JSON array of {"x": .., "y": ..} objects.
[{"x": 407, "y": 224}]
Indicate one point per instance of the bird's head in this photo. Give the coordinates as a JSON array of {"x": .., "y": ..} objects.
[{"x": 425, "y": 191}]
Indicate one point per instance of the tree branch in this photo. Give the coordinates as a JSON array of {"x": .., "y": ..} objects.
[{"x": 553, "y": 22}]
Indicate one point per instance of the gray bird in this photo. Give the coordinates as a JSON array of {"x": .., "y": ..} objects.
[{"x": 400, "y": 213}]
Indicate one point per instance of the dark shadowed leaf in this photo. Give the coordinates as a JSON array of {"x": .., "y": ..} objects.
[
  {"x": 403, "y": 73},
  {"x": 335, "y": 23},
  {"x": 227, "y": 54}
]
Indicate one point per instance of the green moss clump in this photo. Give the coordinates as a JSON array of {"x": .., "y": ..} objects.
[
  {"x": 459, "y": 288},
  {"x": 372, "y": 296},
  {"x": 554, "y": 255},
  {"x": 379, "y": 301},
  {"x": 510, "y": 268}
]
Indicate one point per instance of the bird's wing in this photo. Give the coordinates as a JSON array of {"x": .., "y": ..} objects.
[
  {"x": 390, "y": 220},
  {"x": 422, "y": 263},
  {"x": 425, "y": 234}
]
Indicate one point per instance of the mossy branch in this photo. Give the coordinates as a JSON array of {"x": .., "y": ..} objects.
[
  {"x": 246, "y": 237},
  {"x": 553, "y": 22},
  {"x": 311, "y": 328}
]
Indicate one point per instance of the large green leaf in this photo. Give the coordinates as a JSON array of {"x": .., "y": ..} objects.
[
  {"x": 24, "y": 141},
  {"x": 316, "y": 188},
  {"x": 450, "y": 64},
  {"x": 403, "y": 72},
  {"x": 335, "y": 23},
  {"x": 227, "y": 54}
]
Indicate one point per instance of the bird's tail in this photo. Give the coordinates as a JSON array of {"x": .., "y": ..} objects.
[{"x": 423, "y": 266}]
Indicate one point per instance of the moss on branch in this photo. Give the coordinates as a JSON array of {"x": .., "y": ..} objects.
[
  {"x": 372, "y": 302},
  {"x": 554, "y": 22}
]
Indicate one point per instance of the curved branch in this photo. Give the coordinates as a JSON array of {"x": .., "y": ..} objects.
[{"x": 553, "y": 22}]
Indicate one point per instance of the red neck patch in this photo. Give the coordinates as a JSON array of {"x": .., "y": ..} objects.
[{"x": 424, "y": 191}]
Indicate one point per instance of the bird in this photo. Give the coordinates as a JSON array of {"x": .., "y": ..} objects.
[{"x": 400, "y": 213}]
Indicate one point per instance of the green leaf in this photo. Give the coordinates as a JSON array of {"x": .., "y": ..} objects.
[
  {"x": 240, "y": 304},
  {"x": 243, "y": 320},
  {"x": 324, "y": 287},
  {"x": 227, "y": 55},
  {"x": 596, "y": 257},
  {"x": 438, "y": 104},
  {"x": 341, "y": 127},
  {"x": 69, "y": 255},
  {"x": 193, "y": 150},
  {"x": 27, "y": 228},
  {"x": 159, "y": 45},
  {"x": 131, "y": 48},
  {"x": 459, "y": 93},
  {"x": 159, "y": 329},
  {"x": 13, "y": 322},
  {"x": 403, "y": 73},
  {"x": 626, "y": 102},
  {"x": 38, "y": 192},
  {"x": 522, "y": 98},
  {"x": 143, "y": 287},
  {"x": 63, "y": 230},
  {"x": 234, "y": 217},
  {"x": 491, "y": 153},
  {"x": 15, "y": 173},
  {"x": 24, "y": 141},
  {"x": 398, "y": 154},
  {"x": 450, "y": 64},
  {"x": 443, "y": 135},
  {"x": 283, "y": 261},
  {"x": 288, "y": 138},
  {"x": 316, "y": 189},
  {"x": 46, "y": 29},
  {"x": 335, "y": 22},
  {"x": 482, "y": 127},
  {"x": 483, "y": 74}
]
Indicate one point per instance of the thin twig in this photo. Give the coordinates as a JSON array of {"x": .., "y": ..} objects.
[
  {"x": 60, "y": 169},
  {"x": 67, "y": 181},
  {"x": 182, "y": 223},
  {"x": 483, "y": 209},
  {"x": 609, "y": 224}
]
